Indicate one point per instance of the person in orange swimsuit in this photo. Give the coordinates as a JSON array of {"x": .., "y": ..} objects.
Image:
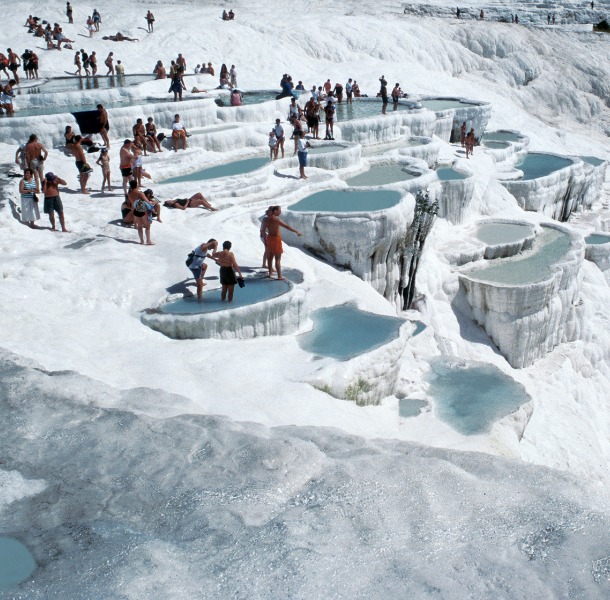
[{"x": 272, "y": 239}]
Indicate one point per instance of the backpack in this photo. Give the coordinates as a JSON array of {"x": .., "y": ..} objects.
[
  {"x": 190, "y": 258},
  {"x": 140, "y": 206}
]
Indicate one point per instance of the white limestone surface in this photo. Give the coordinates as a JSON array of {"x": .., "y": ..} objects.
[
  {"x": 456, "y": 195},
  {"x": 526, "y": 320},
  {"x": 422, "y": 147}
]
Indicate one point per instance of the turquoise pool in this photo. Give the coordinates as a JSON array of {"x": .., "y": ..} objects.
[
  {"x": 347, "y": 201},
  {"x": 438, "y": 104},
  {"x": 501, "y": 136},
  {"x": 449, "y": 174},
  {"x": 238, "y": 167},
  {"x": 381, "y": 175},
  {"x": 344, "y": 331},
  {"x": 597, "y": 238},
  {"x": 503, "y": 233},
  {"x": 535, "y": 165},
  {"x": 16, "y": 562}
]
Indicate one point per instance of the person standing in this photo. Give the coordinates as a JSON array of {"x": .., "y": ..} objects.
[
  {"x": 463, "y": 134},
  {"x": 349, "y": 90},
  {"x": 280, "y": 138},
  {"x": 470, "y": 141},
  {"x": 329, "y": 114},
  {"x": 97, "y": 19},
  {"x": 198, "y": 265},
  {"x": 228, "y": 265},
  {"x": 120, "y": 69},
  {"x": 93, "y": 63},
  {"x": 35, "y": 155},
  {"x": 273, "y": 240},
  {"x": 150, "y": 20},
  {"x": 109, "y": 63},
  {"x": 78, "y": 64},
  {"x": 272, "y": 144},
  {"x": 52, "y": 201},
  {"x": 383, "y": 92},
  {"x": 233, "y": 76},
  {"x": 81, "y": 163},
  {"x": 104, "y": 162},
  {"x": 302, "y": 146},
  {"x": 140, "y": 211},
  {"x": 14, "y": 62},
  {"x": 176, "y": 86},
  {"x": 125, "y": 157},
  {"x": 179, "y": 133},
  {"x": 28, "y": 187},
  {"x": 69, "y": 12},
  {"x": 102, "y": 119}
]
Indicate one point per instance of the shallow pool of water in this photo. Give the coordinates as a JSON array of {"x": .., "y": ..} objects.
[
  {"x": 251, "y": 97},
  {"x": 438, "y": 104},
  {"x": 597, "y": 238},
  {"x": 238, "y": 167},
  {"x": 531, "y": 266},
  {"x": 470, "y": 396},
  {"x": 347, "y": 201},
  {"x": 501, "y": 136},
  {"x": 255, "y": 290},
  {"x": 363, "y": 109},
  {"x": 540, "y": 165},
  {"x": 344, "y": 331},
  {"x": 16, "y": 562},
  {"x": 381, "y": 175},
  {"x": 325, "y": 149},
  {"x": 494, "y": 145},
  {"x": 593, "y": 160},
  {"x": 503, "y": 233},
  {"x": 409, "y": 407},
  {"x": 449, "y": 174},
  {"x": 75, "y": 84}
]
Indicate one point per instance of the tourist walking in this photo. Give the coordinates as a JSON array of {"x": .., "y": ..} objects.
[
  {"x": 196, "y": 263},
  {"x": 28, "y": 188},
  {"x": 150, "y": 21},
  {"x": 69, "y": 13},
  {"x": 52, "y": 201},
  {"x": 109, "y": 62}
]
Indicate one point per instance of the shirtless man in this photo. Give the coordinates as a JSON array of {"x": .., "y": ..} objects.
[
  {"x": 150, "y": 20},
  {"x": 102, "y": 118},
  {"x": 151, "y": 136},
  {"x": 125, "y": 157},
  {"x": 35, "y": 155},
  {"x": 81, "y": 163},
  {"x": 181, "y": 62},
  {"x": 228, "y": 265},
  {"x": 93, "y": 63},
  {"x": 52, "y": 201},
  {"x": 14, "y": 62},
  {"x": 270, "y": 230},
  {"x": 109, "y": 63},
  {"x": 159, "y": 70},
  {"x": 463, "y": 134},
  {"x": 139, "y": 135}
]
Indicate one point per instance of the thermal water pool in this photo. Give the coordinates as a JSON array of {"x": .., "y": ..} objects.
[
  {"x": 438, "y": 104},
  {"x": 503, "y": 233},
  {"x": 470, "y": 396},
  {"x": 535, "y": 165},
  {"x": 549, "y": 247},
  {"x": 449, "y": 174},
  {"x": 361, "y": 109},
  {"x": 75, "y": 84},
  {"x": 238, "y": 167},
  {"x": 593, "y": 160},
  {"x": 494, "y": 145},
  {"x": 325, "y": 149},
  {"x": 343, "y": 332},
  {"x": 256, "y": 290},
  {"x": 597, "y": 238},
  {"x": 254, "y": 97},
  {"x": 16, "y": 562},
  {"x": 502, "y": 136},
  {"x": 347, "y": 201},
  {"x": 381, "y": 175}
]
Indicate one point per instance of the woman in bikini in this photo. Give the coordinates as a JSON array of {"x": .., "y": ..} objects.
[{"x": 194, "y": 201}]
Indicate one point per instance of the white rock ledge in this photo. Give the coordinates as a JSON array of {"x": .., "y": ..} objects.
[{"x": 526, "y": 321}]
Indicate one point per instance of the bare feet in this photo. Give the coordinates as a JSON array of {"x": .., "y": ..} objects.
[{"x": 150, "y": 243}]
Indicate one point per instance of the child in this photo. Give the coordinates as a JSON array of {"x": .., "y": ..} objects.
[
  {"x": 136, "y": 165},
  {"x": 228, "y": 266},
  {"x": 104, "y": 162},
  {"x": 272, "y": 142}
]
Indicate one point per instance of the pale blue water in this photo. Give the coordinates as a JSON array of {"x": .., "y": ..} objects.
[
  {"x": 257, "y": 97},
  {"x": 238, "y": 167},
  {"x": 439, "y": 104},
  {"x": 408, "y": 407},
  {"x": 503, "y": 233},
  {"x": 381, "y": 175},
  {"x": 596, "y": 238},
  {"x": 361, "y": 109},
  {"x": 541, "y": 165},
  {"x": 549, "y": 247},
  {"x": 255, "y": 290},
  {"x": 347, "y": 201},
  {"x": 593, "y": 160},
  {"x": 16, "y": 562},
  {"x": 449, "y": 174},
  {"x": 495, "y": 145},
  {"x": 325, "y": 149},
  {"x": 501, "y": 136},
  {"x": 470, "y": 396},
  {"x": 75, "y": 84},
  {"x": 344, "y": 331}
]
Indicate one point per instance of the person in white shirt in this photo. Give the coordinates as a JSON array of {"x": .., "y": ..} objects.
[
  {"x": 179, "y": 133},
  {"x": 302, "y": 154},
  {"x": 280, "y": 137}
]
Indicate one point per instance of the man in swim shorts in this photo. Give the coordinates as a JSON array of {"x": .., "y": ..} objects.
[
  {"x": 35, "y": 155},
  {"x": 81, "y": 163},
  {"x": 228, "y": 266},
  {"x": 198, "y": 266},
  {"x": 102, "y": 117},
  {"x": 52, "y": 201},
  {"x": 126, "y": 157},
  {"x": 273, "y": 240}
]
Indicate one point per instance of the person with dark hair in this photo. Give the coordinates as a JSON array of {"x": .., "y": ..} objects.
[
  {"x": 198, "y": 266},
  {"x": 383, "y": 92},
  {"x": 228, "y": 265},
  {"x": 84, "y": 170},
  {"x": 28, "y": 188},
  {"x": 151, "y": 136},
  {"x": 52, "y": 201},
  {"x": 470, "y": 141},
  {"x": 69, "y": 13},
  {"x": 125, "y": 157},
  {"x": 150, "y": 21},
  {"x": 272, "y": 238},
  {"x": 138, "y": 202},
  {"x": 109, "y": 63},
  {"x": 194, "y": 201},
  {"x": 35, "y": 155},
  {"x": 102, "y": 118},
  {"x": 6, "y": 97},
  {"x": 179, "y": 133}
]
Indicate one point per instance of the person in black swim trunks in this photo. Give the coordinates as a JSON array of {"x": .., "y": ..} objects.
[
  {"x": 383, "y": 92},
  {"x": 126, "y": 156},
  {"x": 228, "y": 266},
  {"x": 194, "y": 201}
]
